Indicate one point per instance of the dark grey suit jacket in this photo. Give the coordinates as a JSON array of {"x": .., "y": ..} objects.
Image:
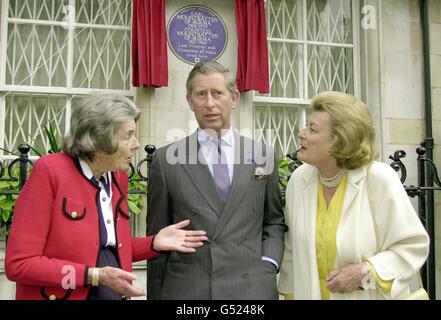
[{"x": 242, "y": 230}]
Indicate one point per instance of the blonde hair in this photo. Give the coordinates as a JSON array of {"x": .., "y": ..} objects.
[{"x": 352, "y": 128}]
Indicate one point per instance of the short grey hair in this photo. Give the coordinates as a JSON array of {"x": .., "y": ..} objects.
[
  {"x": 209, "y": 67},
  {"x": 94, "y": 122}
]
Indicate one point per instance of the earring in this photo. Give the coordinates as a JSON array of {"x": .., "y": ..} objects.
[{"x": 330, "y": 153}]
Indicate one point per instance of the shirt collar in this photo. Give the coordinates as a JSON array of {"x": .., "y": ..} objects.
[
  {"x": 227, "y": 138},
  {"x": 87, "y": 171}
]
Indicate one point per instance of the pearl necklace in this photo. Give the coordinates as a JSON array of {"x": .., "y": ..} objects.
[{"x": 334, "y": 181}]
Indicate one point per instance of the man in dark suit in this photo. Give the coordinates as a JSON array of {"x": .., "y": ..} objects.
[{"x": 227, "y": 185}]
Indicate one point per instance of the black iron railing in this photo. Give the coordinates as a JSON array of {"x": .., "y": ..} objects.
[
  {"x": 427, "y": 177},
  {"x": 9, "y": 173},
  {"x": 25, "y": 164}
]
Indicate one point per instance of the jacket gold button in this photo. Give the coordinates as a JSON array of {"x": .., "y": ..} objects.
[
  {"x": 74, "y": 214},
  {"x": 52, "y": 297},
  {"x": 120, "y": 245}
]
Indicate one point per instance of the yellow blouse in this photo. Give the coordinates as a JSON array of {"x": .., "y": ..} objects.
[{"x": 328, "y": 218}]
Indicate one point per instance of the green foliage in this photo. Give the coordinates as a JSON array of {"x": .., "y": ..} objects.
[
  {"x": 136, "y": 200},
  {"x": 284, "y": 174},
  {"x": 7, "y": 202},
  {"x": 54, "y": 141},
  {"x": 286, "y": 168}
]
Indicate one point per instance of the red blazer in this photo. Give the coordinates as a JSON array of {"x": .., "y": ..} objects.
[{"x": 55, "y": 231}]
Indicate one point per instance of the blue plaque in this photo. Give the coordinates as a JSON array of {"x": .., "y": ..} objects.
[{"x": 196, "y": 33}]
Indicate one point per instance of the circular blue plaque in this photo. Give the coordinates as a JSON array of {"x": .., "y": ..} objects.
[{"x": 196, "y": 33}]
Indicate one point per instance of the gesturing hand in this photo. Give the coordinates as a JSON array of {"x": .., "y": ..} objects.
[{"x": 173, "y": 237}]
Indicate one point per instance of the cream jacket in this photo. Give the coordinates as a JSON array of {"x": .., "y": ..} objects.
[{"x": 378, "y": 223}]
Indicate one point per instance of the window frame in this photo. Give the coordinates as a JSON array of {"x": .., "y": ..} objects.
[
  {"x": 302, "y": 103},
  {"x": 69, "y": 92}
]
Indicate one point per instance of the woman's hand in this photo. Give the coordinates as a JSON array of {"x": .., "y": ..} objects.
[
  {"x": 347, "y": 278},
  {"x": 173, "y": 237},
  {"x": 118, "y": 280}
]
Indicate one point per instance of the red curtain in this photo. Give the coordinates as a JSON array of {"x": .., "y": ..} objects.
[
  {"x": 252, "y": 62},
  {"x": 149, "y": 44}
]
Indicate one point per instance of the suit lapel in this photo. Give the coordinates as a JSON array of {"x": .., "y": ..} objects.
[
  {"x": 352, "y": 189},
  {"x": 352, "y": 192},
  {"x": 310, "y": 206},
  {"x": 201, "y": 176}
]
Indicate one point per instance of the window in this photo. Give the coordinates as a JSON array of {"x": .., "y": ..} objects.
[
  {"x": 312, "y": 47},
  {"x": 52, "y": 52}
]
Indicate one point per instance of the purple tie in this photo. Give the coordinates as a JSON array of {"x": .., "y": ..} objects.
[{"x": 220, "y": 173}]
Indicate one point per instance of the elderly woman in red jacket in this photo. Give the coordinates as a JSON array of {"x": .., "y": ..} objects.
[{"x": 70, "y": 238}]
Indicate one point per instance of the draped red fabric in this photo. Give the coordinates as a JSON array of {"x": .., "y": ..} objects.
[
  {"x": 252, "y": 62},
  {"x": 149, "y": 44}
]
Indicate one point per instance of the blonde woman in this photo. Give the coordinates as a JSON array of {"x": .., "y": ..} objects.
[{"x": 353, "y": 233}]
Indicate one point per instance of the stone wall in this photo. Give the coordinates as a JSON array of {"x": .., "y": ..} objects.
[{"x": 166, "y": 116}]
